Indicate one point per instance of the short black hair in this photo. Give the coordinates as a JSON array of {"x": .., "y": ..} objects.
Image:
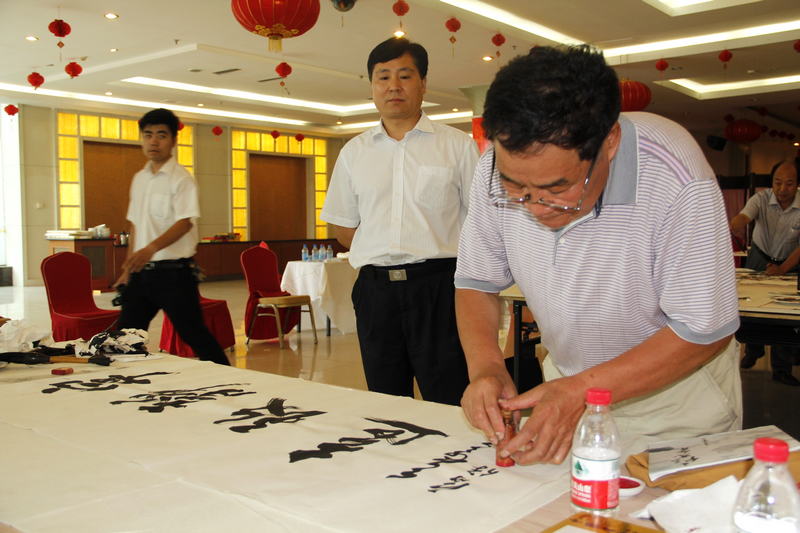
[
  {"x": 395, "y": 47},
  {"x": 795, "y": 162},
  {"x": 160, "y": 116},
  {"x": 566, "y": 96}
]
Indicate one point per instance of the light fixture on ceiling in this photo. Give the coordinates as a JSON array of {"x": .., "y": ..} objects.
[
  {"x": 111, "y": 16},
  {"x": 31, "y": 38},
  {"x": 338, "y": 121},
  {"x": 195, "y": 70},
  {"x": 113, "y": 50},
  {"x": 739, "y": 88},
  {"x": 109, "y": 93},
  {"x": 399, "y": 33},
  {"x": 487, "y": 58},
  {"x": 201, "y": 105},
  {"x": 455, "y": 110},
  {"x": 676, "y": 8}
]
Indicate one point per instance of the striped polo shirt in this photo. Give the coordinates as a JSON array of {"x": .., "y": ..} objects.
[{"x": 654, "y": 252}]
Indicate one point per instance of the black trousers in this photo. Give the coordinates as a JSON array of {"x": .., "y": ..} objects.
[
  {"x": 407, "y": 329},
  {"x": 175, "y": 291}
]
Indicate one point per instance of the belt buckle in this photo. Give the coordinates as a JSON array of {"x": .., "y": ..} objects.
[
  {"x": 397, "y": 275},
  {"x": 149, "y": 266}
]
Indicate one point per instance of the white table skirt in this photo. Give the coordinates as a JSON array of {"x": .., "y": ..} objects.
[{"x": 329, "y": 285}]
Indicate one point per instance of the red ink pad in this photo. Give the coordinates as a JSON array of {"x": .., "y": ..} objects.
[
  {"x": 63, "y": 371},
  {"x": 629, "y": 486}
]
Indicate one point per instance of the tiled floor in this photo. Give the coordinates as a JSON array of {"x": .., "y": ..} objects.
[{"x": 336, "y": 359}]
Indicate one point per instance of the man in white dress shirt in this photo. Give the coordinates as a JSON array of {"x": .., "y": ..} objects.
[{"x": 398, "y": 198}]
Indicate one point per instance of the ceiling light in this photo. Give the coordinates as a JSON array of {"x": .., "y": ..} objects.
[
  {"x": 399, "y": 33},
  {"x": 487, "y": 58},
  {"x": 242, "y": 95},
  {"x": 200, "y": 105},
  {"x": 113, "y": 50},
  {"x": 338, "y": 121},
  {"x": 152, "y": 105},
  {"x": 676, "y": 8},
  {"x": 455, "y": 110},
  {"x": 739, "y": 88},
  {"x": 109, "y": 94},
  {"x": 31, "y": 38},
  {"x": 110, "y": 16},
  {"x": 196, "y": 70}
]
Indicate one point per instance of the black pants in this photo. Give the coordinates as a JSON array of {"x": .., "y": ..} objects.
[
  {"x": 175, "y": 291},
  {"x": 407, "y": 329}
]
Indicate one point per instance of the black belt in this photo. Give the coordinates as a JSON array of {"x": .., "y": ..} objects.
[
  {"x": 771, "y": 259},
  {"x": 409, "y": 271},
  {"x": 167, "y": 263}
]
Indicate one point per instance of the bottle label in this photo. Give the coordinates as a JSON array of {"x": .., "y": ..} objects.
[{"x": 595, "y": 483}]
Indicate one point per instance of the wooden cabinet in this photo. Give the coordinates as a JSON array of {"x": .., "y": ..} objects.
[{"x": 100, "y": 253}]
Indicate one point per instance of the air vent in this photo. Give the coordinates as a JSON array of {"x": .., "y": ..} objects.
[{"x": 228, "y": 71}]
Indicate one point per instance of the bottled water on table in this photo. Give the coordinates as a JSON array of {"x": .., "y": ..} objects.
[
  {"x": 596, "y": 454},
  {"x": 315, "y": 253},
  {"x": 768, "y": 500},
  {"x": 305, "y": 253},
  {"x": 329, "y": 254}
]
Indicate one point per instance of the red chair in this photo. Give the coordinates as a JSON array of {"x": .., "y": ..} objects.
[
  {"x": 68, "y": 281},
  {"x": 266, "y": 299},
  {"x": 218, "y": 320}
]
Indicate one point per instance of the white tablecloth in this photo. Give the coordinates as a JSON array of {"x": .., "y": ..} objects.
[{"x": 329, "y": 285}]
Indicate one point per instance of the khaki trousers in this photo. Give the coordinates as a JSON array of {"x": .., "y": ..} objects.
[{"x": 706, "y": 401}]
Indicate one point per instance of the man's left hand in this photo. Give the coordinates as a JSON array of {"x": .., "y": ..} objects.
[
  {"x": 136, "y": 261},
  {"x": 547, "y": 435}
]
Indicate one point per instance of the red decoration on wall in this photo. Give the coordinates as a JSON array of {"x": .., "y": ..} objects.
[
  {"x": 400, "y": 8},
  {"x": 797, "y": 46},
  {"x": 453, "y": 25},
  {"x": 276, "y": 20},
  {"x": 11, "y": 109},
  {"x": 283, "y": 70},
  {"x": 728, "y": 118},
  {"x": 742, "y": 131},
  {"x": 725, "y": 56},
  {"x": 662, "y": 65},
  {"x": 762, "y": 111},
  {"x": 60, "y": 29},
  {"x": 275, "y": 134},
  {"x": 36, "y": 80},
  {"x": 299, "y": 137},
  {"x": 73, "y": 69},
  {"x": 216, "y": 130},
  {"x": 635, "y": 95}
]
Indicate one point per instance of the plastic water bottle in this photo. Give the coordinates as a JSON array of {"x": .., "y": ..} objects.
[
  {"x": 329, "y": 254},
  {"x": 305, "y": 253},
  {"x": 768, "y": 500},
  {"x": 595, "y": 458},
  {"x": 315, "y": 254}
]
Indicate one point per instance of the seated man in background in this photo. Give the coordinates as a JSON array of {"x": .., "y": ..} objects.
[
  {"x": 614, "y": 229},
  {"x": 776, "y": 213}
]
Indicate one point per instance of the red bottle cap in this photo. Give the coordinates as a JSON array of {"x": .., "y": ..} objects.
[
  {"x": 598, "y": 396},
  {"x": 771, "y": 450}
]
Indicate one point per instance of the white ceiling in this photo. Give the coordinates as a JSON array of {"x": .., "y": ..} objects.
[{"x": 164, "y": 39}]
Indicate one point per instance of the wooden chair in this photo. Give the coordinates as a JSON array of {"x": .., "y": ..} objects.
[{"x": 266, "y": 298}]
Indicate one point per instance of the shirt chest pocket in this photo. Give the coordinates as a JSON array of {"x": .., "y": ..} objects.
[
  {"x": 159, "y": 205},
  {"x": 436, "y": 187}
]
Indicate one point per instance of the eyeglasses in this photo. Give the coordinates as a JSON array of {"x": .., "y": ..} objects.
[{"x": 506, "y": 200}]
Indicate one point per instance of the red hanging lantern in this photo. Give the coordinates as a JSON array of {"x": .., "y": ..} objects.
[
  {"x": 773, "y": 133},
  {"x": 498, "y": 41},
  {"x": 400, "y": 8},
  {"x": 73, "y": 69},
  {"x": 662, "y": 65},
  {"x": 283, "y": 70},
  {"x": 36, "y": 80},
  {"x": 299, "y": 137},
  {"x": 276, "y": 20},
  {"x": 453, "y": 25},
  {"x": 275, "y": 134},
  {"x": 60, "y": 29},
  {"x": 216, "y": 130},
  {"x": 797, "y": 46},
  {"x": 790, "y": 137},
  {"x": 764, "y": 128},
  {"x": 728, "y": 118},
  {"x": 725, "y": 56},
  {"x": 742, "y": 131},
  {"x": 11, "y": 109},
  {"x": 180, "y": 126},
  {"x": 635, "y": 95},
  {"x": 782, "y": 134}
]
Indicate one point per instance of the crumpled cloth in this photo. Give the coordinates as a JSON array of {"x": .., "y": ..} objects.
[
  {"x": 708, "y": 510},
  {"x": 18, "y": 336},
  {"x": 123, "y": 341}
]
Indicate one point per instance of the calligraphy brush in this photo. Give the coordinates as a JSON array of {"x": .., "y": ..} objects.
[{"x": 30, "y": 358}]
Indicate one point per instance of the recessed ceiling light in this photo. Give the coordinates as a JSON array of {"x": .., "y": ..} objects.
[
  {"x": 110, "y": 15},
  {"x": 455, "y": 110},
  {"x": 338, "y": 121},
  {"x": 31, "y": 38},
  {"x": 195, "y": 70},
  {"x": 200, "y": 105},
  {"x": 109, "y": 93},
  {"x": 751, "y": 71},
  {"x": 487, "y": 58},
  {"x": 113, "y": 49},
  {"x": 677, "y": 68},
  {"x": 399, "y": 33}
]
